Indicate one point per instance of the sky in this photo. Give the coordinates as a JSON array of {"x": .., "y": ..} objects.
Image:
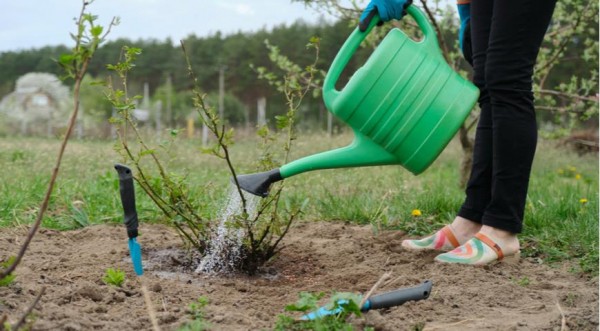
[{"x": 26, "y": 24}]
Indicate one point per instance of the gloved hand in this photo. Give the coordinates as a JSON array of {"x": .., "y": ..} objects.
[
  {"x": 464, "y": 33},
  {"x": 387, "y": 9}
]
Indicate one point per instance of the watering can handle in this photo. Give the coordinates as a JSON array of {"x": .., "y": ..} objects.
[{"x": 356, "y": 38}]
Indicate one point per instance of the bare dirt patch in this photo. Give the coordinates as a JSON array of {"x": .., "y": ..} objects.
[{"x": 317, "y": 257}]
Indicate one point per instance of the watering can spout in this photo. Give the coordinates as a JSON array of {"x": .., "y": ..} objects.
[
  {"x": 361, "y": 153},
  {"x": 259, "y": 183}
]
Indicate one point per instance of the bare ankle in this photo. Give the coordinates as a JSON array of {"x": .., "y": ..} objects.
[
  {"x": 507, "y": 240},
  {"x": 464, "y": 228}
]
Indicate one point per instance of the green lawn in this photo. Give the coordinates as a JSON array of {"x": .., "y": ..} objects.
[{"x": 561, "y": 218}]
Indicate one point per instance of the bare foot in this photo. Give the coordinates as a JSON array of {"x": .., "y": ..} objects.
[
  {"x": 464, "y": 229},
  {"x": 508, "y": 241}
]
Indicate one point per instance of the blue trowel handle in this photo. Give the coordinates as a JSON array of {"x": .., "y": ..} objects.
[
  {"x": 398, "y": 297},
  {"x": 128, "y": 199}
]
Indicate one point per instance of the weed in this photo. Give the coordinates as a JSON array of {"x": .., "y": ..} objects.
[
  {"x": 8, "y": 279},
  {"x": 523, "y": 281},
  {"x": 196, "y": 310},
  {"x": 342, "y": 306},
  {"x": 570, "y": 299},
  {"x": 17, "y": 155},
  {"x": 114, "y": 277}
]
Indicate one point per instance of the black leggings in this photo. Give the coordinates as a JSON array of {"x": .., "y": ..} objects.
[{"x": 506, "y": 37}]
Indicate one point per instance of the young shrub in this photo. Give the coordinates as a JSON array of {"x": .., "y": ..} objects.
[
  {"x": 260, "y": 231},
  {"x": 114, "y": 277},
  {"x": 196, "y": 310}
]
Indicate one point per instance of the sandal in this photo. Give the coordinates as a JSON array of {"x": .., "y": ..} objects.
[
  {"x": 443, "y": 240},
  {"x": 479, "y": 250}
]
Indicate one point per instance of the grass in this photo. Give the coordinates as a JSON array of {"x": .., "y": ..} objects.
[{"x": 559, "y": 224}]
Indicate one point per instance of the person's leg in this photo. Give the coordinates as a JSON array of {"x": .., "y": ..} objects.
[
  {"x": 517, "y": 30},
  {"x": 479, "y": 187},
  {"x": 468, "y": 221}
]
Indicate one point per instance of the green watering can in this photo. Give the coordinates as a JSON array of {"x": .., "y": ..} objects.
[{"x": 404, "y": 104}]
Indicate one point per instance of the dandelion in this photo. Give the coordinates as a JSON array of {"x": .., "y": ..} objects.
[
  {"x": 578, "y": 176},
  {"x": 583, "y": 201},
  {"x": 415, "y": 212}
]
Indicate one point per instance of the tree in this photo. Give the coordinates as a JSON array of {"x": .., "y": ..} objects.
[{"x": 565, "y": 92}]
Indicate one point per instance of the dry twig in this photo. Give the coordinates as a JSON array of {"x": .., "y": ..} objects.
[
  {"x": 563, "y": 319},
  {"x": 446, "y": 326},
  {"x": 78, "y": 76},
  {"x": 383, "y": 278},
  {"x": 150, "y": 308},
  {"x": 21, "y": 321}
]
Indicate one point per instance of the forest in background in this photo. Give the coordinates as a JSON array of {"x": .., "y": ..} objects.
[{"x": 162, "y": 67}]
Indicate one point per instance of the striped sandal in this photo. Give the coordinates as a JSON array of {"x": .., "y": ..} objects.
[
  {"x": 479, "y": 250},
  {"x": 443, "y": 240}
]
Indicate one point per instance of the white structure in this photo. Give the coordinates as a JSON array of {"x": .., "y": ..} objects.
[{"x": 38, "y": 105}]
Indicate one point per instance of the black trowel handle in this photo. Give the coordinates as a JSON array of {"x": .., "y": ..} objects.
[
  {"x": 399, "y": 297},
  {"x": 128, "y": 199}
]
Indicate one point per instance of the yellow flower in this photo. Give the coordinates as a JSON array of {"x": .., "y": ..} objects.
[
  {"x": 578, "y": 176},
  {"x": 415, "y": 212},
  {"x": 583, "y": 201}
]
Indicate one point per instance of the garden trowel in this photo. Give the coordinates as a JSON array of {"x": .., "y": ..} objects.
[
  {"x": 380, "y": 301},
  {"x": 130, "y": 216}
]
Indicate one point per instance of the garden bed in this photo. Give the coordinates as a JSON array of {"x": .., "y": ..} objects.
[{"x": 318, "y": 257}]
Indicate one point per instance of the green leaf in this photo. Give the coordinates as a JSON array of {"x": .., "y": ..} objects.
[
  {"x": 349, "y": 302},
  {"x": 263, "y": 131},
  {"x": 7, "y": 280},
  {"x": 147, "y": 152},
  {"x": 97, "y": 31},
  {"x": 282, "y": 122},
  {"x": 66, "y": 59},
  {"x": 114, "y": 277},
  {"x": 307, "y": 302}
]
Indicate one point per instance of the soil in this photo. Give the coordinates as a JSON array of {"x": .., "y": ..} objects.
[{"x": 317, "y": 257}]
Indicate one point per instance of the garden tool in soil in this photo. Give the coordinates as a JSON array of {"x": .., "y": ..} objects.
[
  {"x": 380, "y": 301},
  {"x": 404, "y": 105},
  {"x": 127, "y": 191}
]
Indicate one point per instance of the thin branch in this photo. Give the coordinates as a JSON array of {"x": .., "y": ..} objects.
[
  {"x": 563, "y": 319},
  {"x": 273, "y": 247},
  {"x": 150, "y": 308},
  {"x": 214, "y": 128},
  {"x": 366, "y": 297},
  {"x": 71, "y": 125},
  {"x": 566, "y": 40},
  {"x": 437, "y": 29},
  {"x": 448, "y": 326},
  {"x": 568, "y": 95},
  {"x": 21, "y": 321}
]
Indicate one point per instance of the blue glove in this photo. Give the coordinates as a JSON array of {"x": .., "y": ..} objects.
[
  {"x": 387, "y": 10},
  {"x": 464, "y": 33}
]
